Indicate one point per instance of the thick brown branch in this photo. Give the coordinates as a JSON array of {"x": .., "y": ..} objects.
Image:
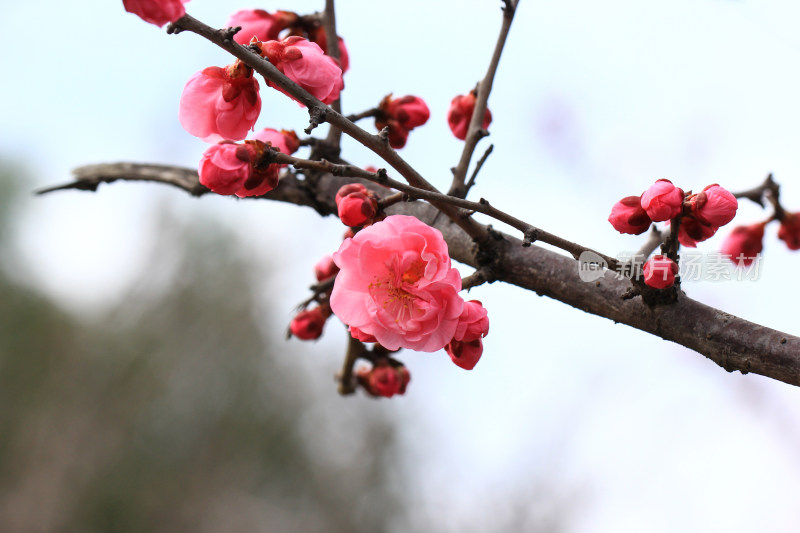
[{"x": 731, "y": 342}]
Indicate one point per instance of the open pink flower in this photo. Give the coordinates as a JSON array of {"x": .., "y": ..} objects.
[
  {"x": 396, "y": 284},
  {"x": 307, "y": 65},
  {"x": 220, "y": 103},
  {"x": 460, "y": 114},
  {"x": 260, "y": 24},
  {"x": 662, "y": 201},
  {"x": 157, "y": 12},
  {"x": 229, "y": 168}
]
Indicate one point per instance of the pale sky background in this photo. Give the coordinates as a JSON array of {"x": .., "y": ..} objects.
[{"x": 566, "y": 412}]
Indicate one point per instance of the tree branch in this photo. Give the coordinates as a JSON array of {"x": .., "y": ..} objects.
[{"x": 731, "y": 342}]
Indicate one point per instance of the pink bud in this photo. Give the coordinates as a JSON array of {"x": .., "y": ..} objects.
[
  {"x": 219, "y": 104},
  {"x": 350, "y": 188},
  {"x": 259, "y": 24},
  {"x": 789, "y": 231},
  {"x": 465, "y": 354},
  {"x": 473, "y": 322},
  {"x": 157, "y": 12},
  {"x": 627, "y": 216},
  {"x": 229, "y": 168},
  {"x": 659, "y": 272},
  {"x": 308, "y": 324},
  {"x": 744, "y": 244},
  {"x": 356, "y": 209},
  {"x": 307, "y": 65},
  {"x": 692, "y": 231},
  {"x": 662, "y": 201},
  {"x": 325, "y": 268},
  {"x": 460, "y": 114},
  {"x": 714, "y": 205}
]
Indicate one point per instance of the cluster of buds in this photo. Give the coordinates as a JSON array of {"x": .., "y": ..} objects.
[
  {"x": 702, "y": 214},
  {"x": 698, "y": 216},
  {"x": 357, "y": 205},
  {"x": 400, "y": 116},
  {"x": 243, "y": 169},
  {"x": 384, "y": 378},
  {"x": 264, "y": 26},
  {"x": 460, "y": 114}
]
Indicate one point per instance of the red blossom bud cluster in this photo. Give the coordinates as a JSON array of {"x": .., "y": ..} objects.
[
  {"x": 701, "y": 215},
  {"x": 157, "y": 12},
  {"x": 659, "y": 272},
  {"x": 357, "y": 205},
  {"x": 401, "y": 115},
  {"x": 307, "y": 325},
  {"x": 460, "y": 114},
  {"x": 384, "y": 379},
  {"x": 230, "y": 168}
]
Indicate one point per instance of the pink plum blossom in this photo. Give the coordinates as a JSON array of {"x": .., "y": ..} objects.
[
  {"x": 627, "y": 216},
  {"x": 307, "y": 65},
  {"x": 396, "y": 283},
  {"x": 460, "y": 114},
  {"x": 220, "y": 103},
  {"x": 229, "y": 168},
  {"x": 260, "y": 24},
  {"x": 659, "y": 272},
  {"x": 319, "y": 37},
  {"x": 157, "y": 12},
  {"x": 662, "y": 201}
]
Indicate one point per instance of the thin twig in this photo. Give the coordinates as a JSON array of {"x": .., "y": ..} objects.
[
  {"x": 457, "y": 188},
  {"x": 478, "y": 167}
]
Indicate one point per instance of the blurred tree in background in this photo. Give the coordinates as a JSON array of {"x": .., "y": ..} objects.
[{"x": 174, "y": 413}]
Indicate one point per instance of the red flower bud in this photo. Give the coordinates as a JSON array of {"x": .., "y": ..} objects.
[
  {"x": 789, "y": 231},
  {"x": 744, "y": 244},
  {"x": 465, "y": 354},
  {"x": 356, "y": 209},
  {"x": 320, "y": 37},
  {"x": 662, "y": 201},
  {"x": 308, "y": 324},
  {"x": 627, "y": 216},
  {"x": 307, "y": 65},
  {"x": 659, "y": 272},
  {"x": 460, "y": 114},
  {"x": 384, "y": 380},
  {"x": 714, "y": 206},
  {"x": 692, "y": 231},
  {"x": 325, "y": 268},
  {"x": 157, "y": 12},
  {"x": 344, "y": 190},
  {"x": 401, "y": 115}
]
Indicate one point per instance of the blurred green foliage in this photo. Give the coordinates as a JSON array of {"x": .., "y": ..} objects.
[{"x": 173, "y": 413}]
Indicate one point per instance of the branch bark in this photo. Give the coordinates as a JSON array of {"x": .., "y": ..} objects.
[{"x": 731, "y": 342}]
